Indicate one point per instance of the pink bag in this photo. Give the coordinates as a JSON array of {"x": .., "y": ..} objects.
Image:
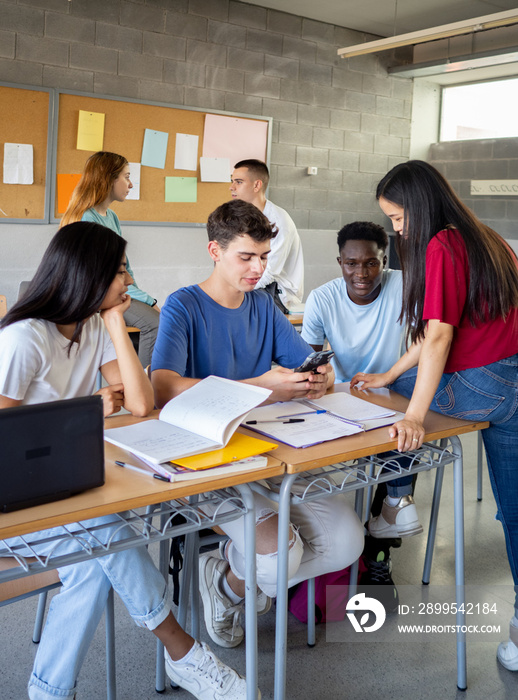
[{"x": 328, "y": 607}]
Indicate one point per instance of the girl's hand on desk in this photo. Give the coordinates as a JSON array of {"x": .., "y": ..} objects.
[
  {"x": 113, "y": 398},
  {"x": 409, "y": 433},
  {"x": 370, "y": 381}
]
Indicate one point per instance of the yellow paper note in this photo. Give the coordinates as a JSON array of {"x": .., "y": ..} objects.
[{"x": 90, "y": 131}]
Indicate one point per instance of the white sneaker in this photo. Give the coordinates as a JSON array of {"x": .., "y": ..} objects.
[
  {"x": 400, "y": 520},
  {"x": 507, "y": 652},
  {"x": 221, "y": 615},
  {"x": 206, "y": 677},
  {"x": 264, "y": 602}
]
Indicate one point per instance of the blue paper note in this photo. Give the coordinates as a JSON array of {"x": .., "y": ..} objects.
[{"x": 155, "y": 148}]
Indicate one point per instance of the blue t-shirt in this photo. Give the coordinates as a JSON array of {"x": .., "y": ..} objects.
[
  {"x": 198, "y": 337},
  {"x": 365, "y": 338}
]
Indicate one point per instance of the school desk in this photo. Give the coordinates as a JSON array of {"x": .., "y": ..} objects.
[
  {"x": 354, "y": 464},
  {"x": 123, "y": 496}
]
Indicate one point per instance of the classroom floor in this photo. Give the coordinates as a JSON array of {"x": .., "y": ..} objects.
[{"x": 331, "y": 671}]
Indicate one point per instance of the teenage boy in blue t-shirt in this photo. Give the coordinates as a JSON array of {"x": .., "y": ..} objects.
[{"x": 225, "y": 327}]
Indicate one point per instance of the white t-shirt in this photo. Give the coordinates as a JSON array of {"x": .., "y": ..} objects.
[
  {"x": 285, "y": 261},
  {"x": 365, "y": 338},
  {"x": 35, "y": 366}
]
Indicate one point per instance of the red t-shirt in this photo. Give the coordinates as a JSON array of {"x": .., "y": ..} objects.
[{"x": 447, "y": 280}]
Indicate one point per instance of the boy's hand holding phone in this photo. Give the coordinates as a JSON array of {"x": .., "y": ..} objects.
[{"x": 314, "y": 360}]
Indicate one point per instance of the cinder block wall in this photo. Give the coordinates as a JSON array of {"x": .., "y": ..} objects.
[
  {"x": 485, "y": 159},
  {"x": 347, "y": 117}
]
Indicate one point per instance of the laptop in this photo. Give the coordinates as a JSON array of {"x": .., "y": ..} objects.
[{"x": 50, "y": 451}]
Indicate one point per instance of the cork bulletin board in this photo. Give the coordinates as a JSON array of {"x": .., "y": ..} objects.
[
  {"x": 124, "y": 128},
  {"x": 25, "y": 117}
]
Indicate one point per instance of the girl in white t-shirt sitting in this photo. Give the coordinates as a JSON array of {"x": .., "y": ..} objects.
[{"x": 53, "y": 342}]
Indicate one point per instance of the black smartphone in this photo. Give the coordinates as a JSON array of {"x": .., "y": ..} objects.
[{"x": 310, "y": 364}]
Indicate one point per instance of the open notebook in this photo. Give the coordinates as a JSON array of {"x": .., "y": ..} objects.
[
  {"x": 331, "y": 417},
  {"x": 200, "y": 419}
]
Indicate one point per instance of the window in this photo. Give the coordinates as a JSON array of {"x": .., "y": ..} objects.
[{"x": 480, "y": 111}]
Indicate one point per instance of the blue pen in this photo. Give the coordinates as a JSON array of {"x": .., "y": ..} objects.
[{"x": 306, "y": 413}]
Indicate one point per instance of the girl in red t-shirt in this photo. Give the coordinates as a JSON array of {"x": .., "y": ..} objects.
[{"x": 460, "y": 303}]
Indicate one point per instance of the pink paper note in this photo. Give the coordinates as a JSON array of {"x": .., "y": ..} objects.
[{"x": 234, "y": 138}]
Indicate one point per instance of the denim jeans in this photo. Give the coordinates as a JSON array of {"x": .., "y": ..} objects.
[
  {"x": 75, "y": 612},
  {"x": 487, "y": 393},
  {"x": 403, "y": 485}
]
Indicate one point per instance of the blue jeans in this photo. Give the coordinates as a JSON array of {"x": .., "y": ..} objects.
[
  {"x": 75, "y": 612},
  {"x": 487, "y": 393}
]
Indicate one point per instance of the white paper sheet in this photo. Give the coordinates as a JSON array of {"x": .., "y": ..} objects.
[
  {"x": 135, "y": 171},
  {"x": 218, "y": 400},
  {"x": 18, "y": 164},
  {"x": 313, "y": 429},
  {"x": 214, "y": 169},
  {"x": 158, "y": 441},
  {"x": 351, "y": 407},
  {"x": 186, "y": 152}
]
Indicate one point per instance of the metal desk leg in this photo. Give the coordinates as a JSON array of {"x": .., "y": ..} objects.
[
  {"x": 188, "y": 563},
  {"x": 311, "y": 612},
  {"x": 353, "y": 578},
  {"x": 370, "y": 488},
  {"x": 480, "y": 452},
  {"x": 183, "y": 600},
  {"x": 163, "y": 565},
  {"x": 111, "y": 692},
  {"x": 194, "y": 574},
  {"x": 432, "y": 530},
  {"x": 252, "y": 680},
  {"x": 353, "y": 575},
  {"x": 458, "y": 500},
  {"x": 281, "y": 620}
]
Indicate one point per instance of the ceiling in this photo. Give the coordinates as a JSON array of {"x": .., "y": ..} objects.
[
  {"x": 384, "y": 18},
  {"x": 388, "y": 17}
]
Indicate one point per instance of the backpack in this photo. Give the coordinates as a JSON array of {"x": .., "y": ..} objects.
[
  {"x": 176, "y": 554},
  {"x": 329, "y": 606}
]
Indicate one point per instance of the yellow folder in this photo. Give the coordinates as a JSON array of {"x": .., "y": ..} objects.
[{"x": 238, "y": 447}]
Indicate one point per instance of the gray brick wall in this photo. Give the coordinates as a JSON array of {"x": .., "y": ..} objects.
[
  {"x": 346, "y": 117},
  {"x": 485, "y": 159}
]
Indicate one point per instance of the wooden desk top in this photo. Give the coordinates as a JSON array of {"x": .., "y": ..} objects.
[
  {"x": 371, "y": 442},
  {"x": 295, "y": 319},
  {"x": 123, "y": 489}
]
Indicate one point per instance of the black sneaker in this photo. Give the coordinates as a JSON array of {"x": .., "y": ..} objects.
[{"x": 378, "y": 577}]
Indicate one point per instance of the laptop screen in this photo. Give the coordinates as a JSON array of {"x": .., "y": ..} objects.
[{"x": 50, "y": 451}]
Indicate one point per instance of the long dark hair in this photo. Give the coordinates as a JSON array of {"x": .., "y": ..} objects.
[
  {"x": 430, "y": 205},
  {"x": 72, "y": 279}
]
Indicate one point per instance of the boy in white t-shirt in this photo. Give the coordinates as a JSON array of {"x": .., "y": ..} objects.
[{"x": 358, "y": 315}]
